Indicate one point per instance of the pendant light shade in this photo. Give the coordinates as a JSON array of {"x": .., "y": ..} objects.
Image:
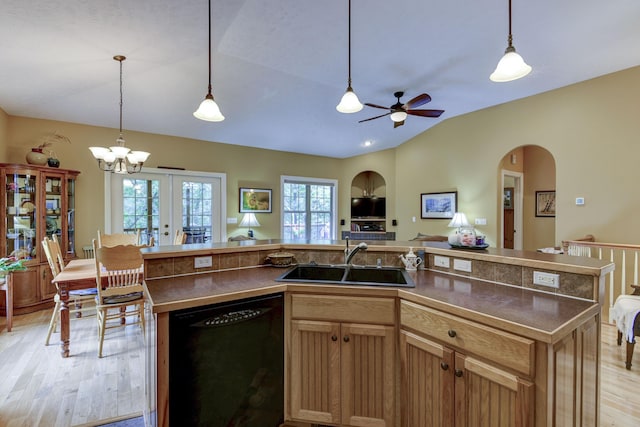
[
  {"x": 118, "y": 158},
  {"x": 208, "y": 109},
  {"x": 511, "y": 66},
  {"x": 349, "y": 102}
]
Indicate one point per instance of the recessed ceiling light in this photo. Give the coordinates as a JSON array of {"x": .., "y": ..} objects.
[{"x": 368, "y": 143}]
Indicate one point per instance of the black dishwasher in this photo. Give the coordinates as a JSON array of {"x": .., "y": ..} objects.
[{"x": 226, "y": 364}]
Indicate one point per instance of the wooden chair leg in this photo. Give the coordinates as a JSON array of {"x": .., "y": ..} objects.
[
  {"x": 630, "y": 346},
  {"x": 53, "y": 322}
]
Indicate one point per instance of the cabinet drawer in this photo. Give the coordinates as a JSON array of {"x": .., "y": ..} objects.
[
  {"x": 501, "y": 347},
  {"x": 343, "y": 309}
]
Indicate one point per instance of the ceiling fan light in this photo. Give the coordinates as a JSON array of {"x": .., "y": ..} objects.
[
  {"x": 209, "y": 110},
  {"x": 398, "y": 116},
  {"x": 511, "y": 67},
  {"x": 349, "y": 102}
]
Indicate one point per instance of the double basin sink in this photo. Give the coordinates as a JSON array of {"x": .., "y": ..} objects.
[{"x": 348, "y": 275}]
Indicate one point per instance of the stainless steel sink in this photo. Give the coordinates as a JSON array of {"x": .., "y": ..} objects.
[{"x": 347, "y": 275}]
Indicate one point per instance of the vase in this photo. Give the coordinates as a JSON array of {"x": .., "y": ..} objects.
[
  {"x": 36, "y": 157},
  {"x": 53, "y": 162}
]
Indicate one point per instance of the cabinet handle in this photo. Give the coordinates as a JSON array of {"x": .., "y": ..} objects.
[
  {"x": 444, "y": 366},
  {"x": 346, "y": 338},
  {"x": 334, "y": 338},
  {"x": 458, "y": 373},
  {"x": 452, "y": 333}
]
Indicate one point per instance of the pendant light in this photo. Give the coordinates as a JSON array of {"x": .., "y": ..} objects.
[
  {"x": 208, "y": 109},
  {"x": 349, "y": 102},
  {"x": 511, "y": 66},
  {"x": 118, "y": 158}
]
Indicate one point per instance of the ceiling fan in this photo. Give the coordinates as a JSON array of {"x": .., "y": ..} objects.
[{"x": 399, "y": 111}]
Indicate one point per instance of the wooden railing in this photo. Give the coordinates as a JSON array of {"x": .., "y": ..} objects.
[{"x": 625, "y": 258}]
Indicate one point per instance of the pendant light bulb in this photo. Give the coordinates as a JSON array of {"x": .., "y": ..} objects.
[
  {"x": 349, "y": 102},
  {"x": 208, "y": 109},
  {"x": 511, "y": 66}
]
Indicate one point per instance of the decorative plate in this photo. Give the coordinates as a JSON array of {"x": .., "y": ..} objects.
[{"x": 476, "y": 247}]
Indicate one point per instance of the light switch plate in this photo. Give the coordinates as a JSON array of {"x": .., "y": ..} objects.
[
  {"x": 546, "y": 279},
  {"x": 202, "y": 262},
  {"x": 462, "y": 265},
  {"x": 441, "y": 261}
]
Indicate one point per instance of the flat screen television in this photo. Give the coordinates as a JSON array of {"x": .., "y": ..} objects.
[{"x": 368, "y": 207}]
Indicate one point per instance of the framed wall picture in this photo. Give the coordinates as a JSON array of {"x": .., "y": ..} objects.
[
  {"x": 546, "y": 203},
  {"x": 438, "y": 205},
  {"x": 256, "y": 200}
]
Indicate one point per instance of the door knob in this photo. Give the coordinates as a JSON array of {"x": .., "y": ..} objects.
[
  {"x": 346, "y": 338},
  {"x": 444, "y": 366},
  {"x": 458, "y": 373},
  {"x": 334, "y": 338}
]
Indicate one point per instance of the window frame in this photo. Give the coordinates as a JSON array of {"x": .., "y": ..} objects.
[{"x": 289, "y": 179}]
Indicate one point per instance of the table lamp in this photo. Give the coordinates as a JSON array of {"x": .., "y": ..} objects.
[
  {"x": 464, "y": 235},
  {"x": 249, "y": 220}
]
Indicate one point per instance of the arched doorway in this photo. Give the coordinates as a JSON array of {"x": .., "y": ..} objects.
[{"x": 524, "y": 172}]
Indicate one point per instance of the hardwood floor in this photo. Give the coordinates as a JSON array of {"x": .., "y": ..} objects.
[{"x": 39, "y": 388}]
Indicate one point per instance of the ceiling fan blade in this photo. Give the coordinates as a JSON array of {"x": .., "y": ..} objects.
[
  {"x": 396, "y": 124},
  {"x": 425, "y": 113},
  {"x": 418, "y": 101},
  {"x": 376, "y": 106},
  {"x": 376, "y": 117}
]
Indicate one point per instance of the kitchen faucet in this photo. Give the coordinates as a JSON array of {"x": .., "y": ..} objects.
[{"x": 349, "y": 254}]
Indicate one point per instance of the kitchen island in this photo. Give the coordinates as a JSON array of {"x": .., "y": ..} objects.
[{"x": 464, "y": 344}]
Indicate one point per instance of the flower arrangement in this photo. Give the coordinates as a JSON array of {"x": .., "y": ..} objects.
[
  {"x": 11, "y": 264},
  {"x": 51, "y": 138}
]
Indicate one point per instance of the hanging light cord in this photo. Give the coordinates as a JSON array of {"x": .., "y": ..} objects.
[
  {"x": 209, "y": 49},
  {"x": 349, "y": 50},
  {"x": 120, "y": 59},
  {"x": 510, "y": 40}
]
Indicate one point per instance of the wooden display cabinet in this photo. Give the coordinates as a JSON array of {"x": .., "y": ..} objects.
[{"x": 38, "y": 201}]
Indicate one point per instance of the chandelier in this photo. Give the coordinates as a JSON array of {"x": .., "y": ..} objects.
[{"x": 118, "y": 158}]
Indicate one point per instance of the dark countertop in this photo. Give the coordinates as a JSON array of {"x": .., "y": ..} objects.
[{"x": 538, "y": 315}]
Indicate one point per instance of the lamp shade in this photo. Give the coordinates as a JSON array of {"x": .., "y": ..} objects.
[
  {"x": 398, "y": 116},
  {"x": 511, "y": 67},
  {"x": 249, "y": 220},
  {"x": 209, "y": 110},
  {"x": 349, "y": 102},
  {"x": 459, "y": 220}
]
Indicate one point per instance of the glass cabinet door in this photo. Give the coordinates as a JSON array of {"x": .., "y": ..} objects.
[
  {"x": 71, "y": 217},
  {"x": 53, "y": 207},
  {"x": 21, "y": 221}
]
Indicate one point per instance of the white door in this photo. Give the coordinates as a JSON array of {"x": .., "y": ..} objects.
[{"x": 159, "y": 202}]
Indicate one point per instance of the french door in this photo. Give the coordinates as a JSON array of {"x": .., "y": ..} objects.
[{"x": 158, "y": 202}]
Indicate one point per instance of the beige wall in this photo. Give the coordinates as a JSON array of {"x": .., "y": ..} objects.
[
  {"x": 539, "y": 175},
  {"x": 590, "y": 129},
  {"x": 247, "y": 167}
]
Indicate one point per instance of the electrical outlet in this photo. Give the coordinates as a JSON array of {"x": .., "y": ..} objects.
[
  {"x": 462, "y": 265},
  {"x": 546, "y": 279},
  {"x": 481, "y": 221},
  {"x": 441, "y": 261},
  {"x": 202, "y": 262}
]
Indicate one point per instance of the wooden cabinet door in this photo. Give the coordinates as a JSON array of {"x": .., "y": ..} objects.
[
  {"x": 489, "y": 396},
  {"x": 315, "y": 371},
  {"x": 47, "y": 289},
  {"x": 25, "y": 287},
  {"x": 427, "y": 382},
  {"x": 368, "y": 367}
]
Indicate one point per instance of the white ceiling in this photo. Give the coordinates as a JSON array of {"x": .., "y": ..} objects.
[{"x": 280, "y": 66}]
